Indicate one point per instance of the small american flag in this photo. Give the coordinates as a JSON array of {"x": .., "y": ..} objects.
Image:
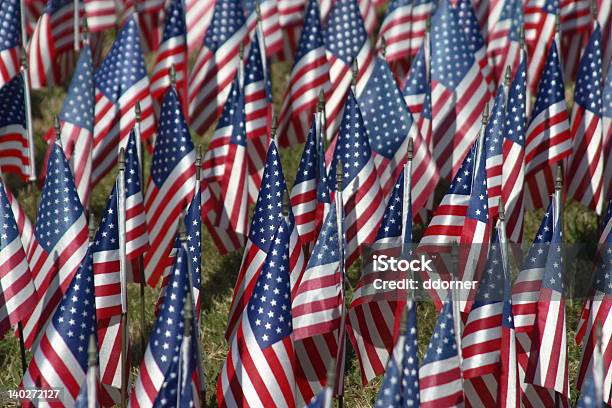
[
  {"x": 172, "y": 51},
  {"x": 309, "y": 75},
  {"x": 548, "y": 138},
  {"x": 148, "y": 14},
  {"x": 101, "y": 15},
  {"x": 59, "y": 245},
  {"x": 158, "y": 383},
  {"x": 259, "y": 369},
  {"x": 576, "y": 20},
  {"x": 458, "y": 90},
  {"x": 416, "y": 84},
  {"x": 14, "y": 151},
  {"x": 513, "y": 166},
  {"x": 493, "y": 149},
  {"x": 17, "y": 294},
  {"x": 51, "y": 47},
  {"x": 540, "y": 26},
  {"x": 121, "y": 82},
  {"x": 216, "y": 64},
  {"x": 504, "y": 42},
  {"x": 171, "y": 185},
  {"x": 10, "y": 40},
  {"x": 586, "y": 163},
  {"x": 60, "y": 359},
  {"x": 400, "y": 387},
  {"x": 24, "y": 225},
  {"x": 440, "y": 374},
  {"x": 268, "y": 19}
]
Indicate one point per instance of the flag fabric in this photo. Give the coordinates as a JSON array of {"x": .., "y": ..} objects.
[
  {"x": 101, "y": 15},
  {"x": 493, "y": 149},
  {"x": 607, "y": 131},
  {"x": 400, "y": 386},
  {"x": 172, "y": 51},
  {"x": 14, "y": 151},
  {"x": 121, "y": 81},
  {"x": 265, "y": 221},
  {"x": 440, "y": 373},
  {"x": 374, "y": 314},
  {"x": 309, "y": 75},
  {"x": 170, "y": 187},
  {"x": 259, "y": 368},
  {"x": 268, "y": 19},
  {"x": 363, "y": 208},
  {"x": 17, "y": 293},
  {"x": 416, "y": 85},
  {"x": 458, "y": 95},
  {"x": 198, "y": 15},
  {"x": 24, "y": 225},
  {"x": 59, "y": 245},
  {"x": 548, "y": 138},
  {"x": 216, "y": 64},
  {"x": 163, "y": 363},
  {"x": 51, "y": 47},
  {"x": 586, "y": 162},
  {"x": 504, "y": 42},
  {"x": 59, "y": 361},
  {"x": 540, "y": 27},
  {"x": 10, "y": 40},
  {"x": 76, "y": 120},
  {"x": 513, "y": 150},
  {"x": 576, "y": 18}
]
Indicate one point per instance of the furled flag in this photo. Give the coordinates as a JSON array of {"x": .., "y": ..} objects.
[
  {"x": 163, "y": 365},
  {"x": 373, "y": 343},
  {"x": 310, "y": 194},
  {"x": 504, "y": 42},
  {"x": 59, "y": 361},
  {"x": 540, "y": 26},
  {"x": 346, "y": 43},
  {"x": 380, "y": 98},
  {"x": 101, "y": 15},
  {"x": 458, "y": 90},
  {"x": 597, "y": 311},
  {"x": 493, "y": 149},
  {"x": 121, "y": 82},
  {"x": 400, "y": 386},
  {"x": 607, "y": 132},
  {"x": 440, "y": 374},
  {"x": 513, "y": 162},
  {"x": 548, "y": 138},
  {"x": 172, "y": 51},
  {"x": 17, "y": 294},
  {"x": 309, "y": 75},
  {"x": 14, "y": 151},
  {"x": 76, "y": 119},
  {"x": 266, "y": 218},
  {"x": 363, "y": 206},
  {"x": 586, "y": 162},
  {"x": 24, "y": 225},
  {"x": 10, "y": 40},
  {"x": 259, "y": 370},
  {"x": 216, "y": 64},
  {"x": 51, "y": 47},
  {"x": 59, "y": 244},
  {"x": 198, "y": 15},
  {"x": 416, "y": 85},
  {"x": 265, "y": 14},
  {"x": 170, "y": 187}
]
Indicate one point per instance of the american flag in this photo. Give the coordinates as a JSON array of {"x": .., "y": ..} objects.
[
  {"x": 597, "y": 311},
  {"x": 548, "y": 138},
  {"x": 400, "y": 387},
  {"x": 198, "y": 16},
  {"x": 101, "y": 15},
  {"x": 24, "y": 225},
  {"x": 458, "y": 90},
  {"x": 14, "y": 151},
  {"x": 346, "y": 41},
  {"x": 488, "y": 13},
  {"x": 310, "y": 194},
  {"x": 148, "y": 14},
  {"x": 324, "y": 399},
  {"x": 59, "y": 244},
  {"x": 373, "y": 315},
  {"x": 309, "y": 75},
  {"x": 504, "y": 42},
  {"x": 513, "y": 166},
  {"x": 59, "y": 361},
  {"x": 291, "y": 18},
  {"x": 259, "y": 368},
  {"x": 366, "y": 10},
  {"x": 540, "y": 26},
  {"x": 493, "y": 149},
  {"x": 172, "y": 51},
  {"x": 51, "y": 47},
  {"x": 607, "y": 132},
  {"x": 586, "y": 163},
  {"x": 17, "y": 294},
  {"x": 10, "y": 40},
  {"x": 216, "y": 64},
  {"x": 77, "y": 125},
  {"x": 266, "y": 217},
  {"x": 265, "y": 15},
  {"x": 381, "y": 99},
  {"x": 363, "y": 206},
  {"x": 163, "y": 363},
  {"x": 440, "y": 374},
  {"x": 121, "y": 82},
  {"x": 171, "y": 185},
  {"x": 576, "y": 20},
  {"x": 416, "y": 84}
]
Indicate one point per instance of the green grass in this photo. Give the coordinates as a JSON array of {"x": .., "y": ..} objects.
[{"x": 219, "y": 273}]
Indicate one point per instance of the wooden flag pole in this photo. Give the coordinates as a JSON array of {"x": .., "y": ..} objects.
[
  {"x": 122, "y": 274},
  {"x": 341, "y": 354},
  {"x": 28, "y": 117}
]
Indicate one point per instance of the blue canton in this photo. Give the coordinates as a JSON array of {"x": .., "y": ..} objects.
[
  {"x": 536, "y": 258},
  {"x": 234, "y": 114},
  {"x": 494, "y": 131},
  {"x": 607, "y": 94},
  {"x": 132, "y": 167},
  {"x": 417, "y": 77},
  {"x": 391, "y": 226},
  {"x": 54, "y": 5},
  {"x": 175, "y": 25},
  {"x": 550, "y": 88},
  {"x": 588, "y": 80},
  {"x": 345, "y": 33},
  {"x": 8, "y": 226},
  {"x": 396, "y": 4},
  {"x": 10, "y": 21},
  {"x": 478, "y": 207},
  {"x": 78, "y": 107},
  {"x": 193, "y": 225},
  {"x": 462, "y": 182},
  {"x": 471, "y": 27},
  {"x": 227, "y": 19},
  {"x": 311, "y": 37},
  {"x": 553, "y": 274},
  {"x": 443, "y": 344},
  {"x": 491, "y": 286},
  {"x": 516, "y": 117},
  {"x": 254, "y": 70},
  {"x": 327, "y": 248},
  {"x": 312, "y": 165},
  {"x": 12, "y": 103}
]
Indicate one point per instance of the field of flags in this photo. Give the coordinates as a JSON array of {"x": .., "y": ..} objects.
[{"x": 155, "y": 154}]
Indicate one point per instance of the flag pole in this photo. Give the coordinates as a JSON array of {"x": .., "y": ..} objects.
[
  {"x": 28, "y": 117},
  {"x": 185, "y": 354},
  {"x": 341, "y": 354},
  {"x": 77, "y": 21},
  {"x": 122, "y": 274},
  {"x": 92, "y": 372},
  {"x": 329, "y": 386},
  {"x": 456, "y": 305},
  {"x": 407, "y": 199}
]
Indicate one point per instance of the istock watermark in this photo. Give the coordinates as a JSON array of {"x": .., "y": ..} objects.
[{"x": 383, "y": 263}]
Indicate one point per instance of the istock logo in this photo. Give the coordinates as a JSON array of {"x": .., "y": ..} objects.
[{"x": 384, "y": 263}]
